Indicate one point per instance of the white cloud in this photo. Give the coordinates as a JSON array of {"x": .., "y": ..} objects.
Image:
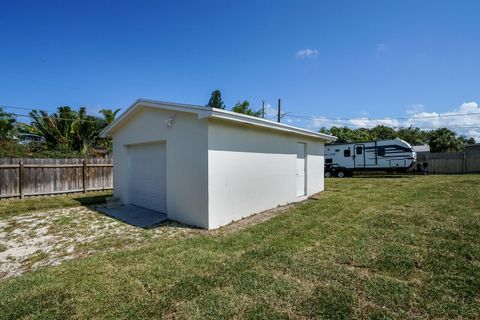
[
  {"x": 383, "y": 47},
  {"x": 270, "y": 112},
  {"x": 306, "y": 53},
  {"x": 360, "y": 122},
  {"x": 469, "y": 107},
  {"x": 464, "y": 120}
]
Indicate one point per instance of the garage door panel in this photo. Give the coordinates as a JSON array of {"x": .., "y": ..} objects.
[{"x": 147, "y": 172}]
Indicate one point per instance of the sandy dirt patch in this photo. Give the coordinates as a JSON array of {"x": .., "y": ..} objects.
[
  {"x": 29, "y": 241},
  {"x": 33, "y": 240}
]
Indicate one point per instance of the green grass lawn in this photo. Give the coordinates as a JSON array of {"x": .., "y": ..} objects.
[
  {"x": 405, "y": 247},
  {"x": 10, "y": 207}
]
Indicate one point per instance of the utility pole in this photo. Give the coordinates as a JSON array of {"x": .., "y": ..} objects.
[
  {"x": 263, "y": 109},
  {"x": 279, "y": 111}
]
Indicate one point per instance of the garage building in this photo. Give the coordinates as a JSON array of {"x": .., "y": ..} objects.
[{"x": 208, "y": 167}]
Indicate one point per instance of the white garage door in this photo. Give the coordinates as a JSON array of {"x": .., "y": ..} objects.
[{"x": 147, "y": 171}]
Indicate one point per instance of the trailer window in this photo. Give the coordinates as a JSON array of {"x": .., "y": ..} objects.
[
  {"x": 381, "y": 151},
  {"x": 328, "y": 161},
  {"x": 359, "y": 150},
  {"x": 346, "y": 153}
]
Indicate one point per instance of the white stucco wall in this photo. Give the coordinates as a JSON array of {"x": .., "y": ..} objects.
[
  {"x": 252, "y": 169},
  {"x": 186, "y": 160}
]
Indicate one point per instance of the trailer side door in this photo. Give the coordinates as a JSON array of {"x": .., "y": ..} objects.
[{"x": 359, "y": 156}]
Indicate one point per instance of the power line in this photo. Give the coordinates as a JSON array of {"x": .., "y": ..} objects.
[
  {"x": 48, "y": 117},
  {"x": 367, "y": 126},
  {"x": 20, "y": 108},
  {"x": 461, "y": 126},
  {"x": 379, "y": 122},
  {"x": 320, "y": 118},
  {"x": 40, "y": 117},
  {"x": 326, "y": 120}
]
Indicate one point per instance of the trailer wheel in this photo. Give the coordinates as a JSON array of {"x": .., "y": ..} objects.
[
  {"x": 340, "y": 174},
  {"x": 328, "y": 174}
]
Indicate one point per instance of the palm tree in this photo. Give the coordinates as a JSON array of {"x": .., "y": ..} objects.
[
  {"x": 7, "y": 125},
  {"x": 69, "y": 130},
  {"x": 55, "y": 128},
  {"x": 85, "y": 131},
  {"x": 443, "y": 140},
  {"x": 109, "y": 115}
]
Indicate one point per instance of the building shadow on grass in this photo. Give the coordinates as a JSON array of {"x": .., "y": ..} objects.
[{"x": 92, "y": 200}]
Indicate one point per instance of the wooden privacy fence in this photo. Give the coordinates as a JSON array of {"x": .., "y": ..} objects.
[
  {"x": 454, "y": 162},
  {"x": 34, "y": 177}
]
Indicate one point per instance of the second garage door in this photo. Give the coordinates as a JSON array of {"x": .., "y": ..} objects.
[{"x": 147, "y": 176}]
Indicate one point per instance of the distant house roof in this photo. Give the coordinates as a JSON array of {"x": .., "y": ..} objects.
[
  {"x": 472, "y": 150},
  {"x": 473, "y": 146},
  {"x": 207, "y": 112},
  {"x": 421, "y": 148}
]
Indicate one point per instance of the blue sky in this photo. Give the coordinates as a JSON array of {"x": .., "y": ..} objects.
[{"x": 345, "y": 59}]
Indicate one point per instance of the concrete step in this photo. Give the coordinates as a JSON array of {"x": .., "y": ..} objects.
[{"x": 113, "y": 202}]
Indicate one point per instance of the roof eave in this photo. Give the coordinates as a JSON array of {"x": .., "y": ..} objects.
[
  {"x": 105, "y": 132},
  {"x": 203, "y": 112},
  {"x": 226, "y": 115},
  {"x": 200, "y": 111}
]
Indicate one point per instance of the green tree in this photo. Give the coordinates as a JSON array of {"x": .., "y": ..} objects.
[
  {"x": 67, "y": 129},
  {"x": 7, "y": 125},
  {"x": 244, "y": 107},
  {"x": 216, "y": 100},
  {"x": 466, "y": 140},
  {"x": 414, "y": 136},
  {"x": 324, "y": 130},
  {"x": 85, "y": 131},
  {"x": 55, "y": 128},
  {"x": 382, "y": 133},
  {"x": 109, "y": 115},
  {"x": 443, "y": 140},
  {"x": 346, "y": 135},
  {"x": 343, "y": 134},
  {"x": 440, "y": 140},
  {"x": 22, "y": 127},
  {"x": 362, "y": 135}
]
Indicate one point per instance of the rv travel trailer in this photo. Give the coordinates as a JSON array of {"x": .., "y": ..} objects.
[{"x": 344, "y": 159}]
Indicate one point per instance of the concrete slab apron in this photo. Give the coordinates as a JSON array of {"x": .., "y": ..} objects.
[{"x": 136, "y": 216}]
